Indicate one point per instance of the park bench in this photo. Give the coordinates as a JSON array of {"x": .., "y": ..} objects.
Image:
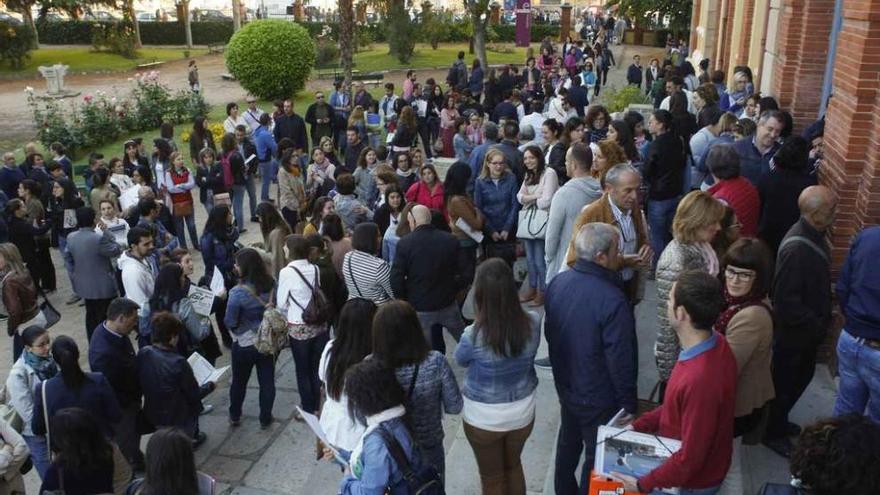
[
  {"x": 365, "y": 77},
  {"x": 216, "y": 48},
  {"x": 150, "y": 65}
]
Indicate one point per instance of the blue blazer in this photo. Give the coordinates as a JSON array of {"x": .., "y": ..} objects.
[{"x": 95, "y": 396}]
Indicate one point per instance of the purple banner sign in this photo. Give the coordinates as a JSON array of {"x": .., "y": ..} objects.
[{"x": 523, "y": 22}]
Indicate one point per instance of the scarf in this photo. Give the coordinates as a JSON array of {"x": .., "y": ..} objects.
[
  {"x": 734, "y": 306},
  {"x": 373, "y": 422},
  {"x": 44, "y": 367}
]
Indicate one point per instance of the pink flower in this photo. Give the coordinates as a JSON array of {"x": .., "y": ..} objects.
[{"x": 87, "y": 98}]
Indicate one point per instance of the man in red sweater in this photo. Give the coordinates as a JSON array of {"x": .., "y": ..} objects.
[
  {"x": 698, "y": 406},
  {"x": 734, "y": 189}
]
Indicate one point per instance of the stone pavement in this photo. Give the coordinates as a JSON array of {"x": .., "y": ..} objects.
[{"x": 281, "y": 460}]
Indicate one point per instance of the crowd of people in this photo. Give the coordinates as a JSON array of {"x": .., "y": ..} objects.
[{"x": 369, "y": 252}]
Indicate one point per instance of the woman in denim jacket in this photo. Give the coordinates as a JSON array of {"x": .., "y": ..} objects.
[
  {"x": 428, "y": 383},
  {"x": 375, "y": 399},
  {"x": 218, "y": 244},
  {"x": 499, "y": 388},
  {"x": 244, "y": 312}
]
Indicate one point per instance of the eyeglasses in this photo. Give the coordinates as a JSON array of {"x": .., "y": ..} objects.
[
  {"x": 742, "y": 275},
  {"x": 497, "y": 162},
  {"x": 319, "y": 97}
]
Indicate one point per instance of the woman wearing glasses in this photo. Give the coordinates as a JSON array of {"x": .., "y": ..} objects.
[
  {"x": 748, "y": 325},
  {"x": 495, "y": 196}
]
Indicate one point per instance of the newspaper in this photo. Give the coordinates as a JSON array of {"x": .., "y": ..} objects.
[
  {"x": 476, "y": 235},
  {"x": 202, "y": 299},
  {"x": 629, "y": 452},
  {"x": 203, "y": 370}
]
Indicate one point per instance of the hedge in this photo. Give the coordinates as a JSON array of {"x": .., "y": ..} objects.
[
  {"x": 152, "y": 33},
  {"x": 207, "y": 32}
]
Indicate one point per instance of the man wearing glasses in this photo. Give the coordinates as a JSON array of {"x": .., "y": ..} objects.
[{"x": 319, "y": 116}]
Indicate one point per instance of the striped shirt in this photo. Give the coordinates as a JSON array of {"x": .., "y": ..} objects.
[
  {"x": 367, "y": 277},
  {"x": 628, "y": 237}
]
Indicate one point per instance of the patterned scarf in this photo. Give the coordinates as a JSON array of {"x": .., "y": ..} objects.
[
  {"x": 44, "y": 367},
  {"x": 734, "y": 306}
]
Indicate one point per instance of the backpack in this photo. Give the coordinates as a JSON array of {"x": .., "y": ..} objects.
[
  {"x": 272, "y": 332},
  {"x": 319, "y": 310},
  {"x": 424, "y": 481}
]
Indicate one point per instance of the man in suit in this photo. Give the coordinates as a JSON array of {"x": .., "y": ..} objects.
[
  {"x": 634, "y": 72},
  {"x": 424, "y": 274},
  {"x": 111, "y": 353},
  {"x": 94, "y": 278}
]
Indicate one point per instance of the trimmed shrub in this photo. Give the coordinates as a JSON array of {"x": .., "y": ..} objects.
[
  {"x": 271, "y": 58},
  {"x": 617, "y": 100},
  {"x": 15, "y": 44},
  {"x": 115, "y": 38}
]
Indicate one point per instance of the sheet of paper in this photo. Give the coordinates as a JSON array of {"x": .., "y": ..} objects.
[
  {"x": 129, "y": 198},
  {"x": 202, "y": 299},
  {"x": 315, "y": 424},
  {"x": 203, "y": 371},
  {"x": 616, "y": 418},
  {"x": 476, "y": 235},
  {"x": 249, "y": 159},
  {"x": 217, "y": 286}
]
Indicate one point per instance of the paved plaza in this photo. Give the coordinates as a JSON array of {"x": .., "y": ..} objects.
[{"x": 281, "y": 459}]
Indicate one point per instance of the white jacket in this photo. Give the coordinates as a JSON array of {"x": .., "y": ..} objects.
[
  {"x": 138, "y": 278},
  {"x": 292, "y": 288}
]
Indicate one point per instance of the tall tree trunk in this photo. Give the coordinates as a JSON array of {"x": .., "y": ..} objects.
[
  {"x": 128, "y": 11},
  {"x": 346, "y": 38},
  {"x": 187, "y": 23},
  {"x": 480, "y": 39},
  {"x": 236, "y": 15},
  {"x": 29, "y": 20}
]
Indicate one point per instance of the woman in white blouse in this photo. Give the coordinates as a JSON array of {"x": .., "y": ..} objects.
[
  {"x": 233, "y": 119},
  {"x": 537, "y": 190}
]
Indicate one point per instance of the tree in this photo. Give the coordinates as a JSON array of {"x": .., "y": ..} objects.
[
  {"x": 479, "y": 13},
  {"x": 24, "y": 6},
  {"x": 128, "y": 14},
  {"x": 187, "y": 22},
  {"x": 236, "y": 15},
  {"x": 346, "y": 38},
  {"x": 640, "y": 11}
]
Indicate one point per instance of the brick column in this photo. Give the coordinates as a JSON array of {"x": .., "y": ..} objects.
[
  {"x": 744, "y": 40},
  {"x": 725, "y": 36},
  {"x": 804, "y": 32},
  {"x": 852, "y": 140},
  {"x": 565, "y": 24},
  {"x": 704, "y": 30},
  {"x": 696, "y": 22}
]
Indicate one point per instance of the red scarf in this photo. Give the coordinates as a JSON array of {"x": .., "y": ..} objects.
[{"x": 734, "y": 306}]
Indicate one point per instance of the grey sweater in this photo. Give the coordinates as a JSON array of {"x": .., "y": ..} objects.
[
  {"x": 435, "y": 391},
  {"x": 564, "y": 208}
]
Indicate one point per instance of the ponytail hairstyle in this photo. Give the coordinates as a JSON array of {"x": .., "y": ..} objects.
[{"x": 66, "y": 355}]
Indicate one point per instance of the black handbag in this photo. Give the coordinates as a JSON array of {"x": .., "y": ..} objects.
[{"x": 51, "y": 314}]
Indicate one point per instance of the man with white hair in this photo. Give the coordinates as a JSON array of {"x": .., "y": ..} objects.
[
  {"x": 592, "y": 349},
  {"x": 425, "y": 273}
]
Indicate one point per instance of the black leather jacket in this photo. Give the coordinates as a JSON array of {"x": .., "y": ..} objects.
[{"x": 171, "y": 395}]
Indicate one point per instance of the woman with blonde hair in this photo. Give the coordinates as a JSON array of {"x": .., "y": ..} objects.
[
  {"x": 358, "y": 120},
  {"x": 697, "y": 221},
  {"x": 606, "y": 154},
  {"x": 19, "y": 296},
  {"x": 495, "y": 196}
]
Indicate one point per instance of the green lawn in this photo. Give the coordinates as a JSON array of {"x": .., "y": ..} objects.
[
  {"x": 424, "y": 56},
  {"x": 85, "y": 60}
]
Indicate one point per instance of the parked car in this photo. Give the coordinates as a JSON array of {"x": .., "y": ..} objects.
[
  {"x": 210, "y": 15},
  {"x": 100, "y": 15},
  {"x": 146, "y": 17},
  {"x": 9, "y": 19}
]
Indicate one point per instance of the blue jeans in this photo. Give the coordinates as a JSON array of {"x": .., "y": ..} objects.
[
  {"x": 698, "y": 491},
  {"x": 238, "y": 204},
  {"x": 39, "y": 453},
  {"x": 859, "y": 367},
  {"x": 577, "y": 434},
  {"x": 244, "y": 359},
  {"x": 660, "y": 215},
  {"x": 306, "y": 356},
  {"x": 190, "y": 226},
  {"x": 68, "y": 264},
  {"x": 537, "y": 264},
  {"x": 252, "y": 194},
  {"x": 265, "y": 179}
]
